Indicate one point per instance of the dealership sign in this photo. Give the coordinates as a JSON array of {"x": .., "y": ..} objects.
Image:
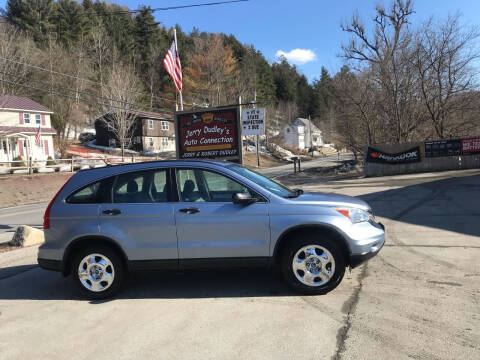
[
  {"x": 411, "y": 155},
  {"x": 471, "y": 146},
  {"x": 209, "y": 133},
  {"x": 253, "y": 121}
]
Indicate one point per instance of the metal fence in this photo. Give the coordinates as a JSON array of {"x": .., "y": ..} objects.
[{"x": 63, "y": 165}]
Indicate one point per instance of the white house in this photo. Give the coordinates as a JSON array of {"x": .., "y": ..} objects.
[
  {"x": 301, "y": 134},
  {"x": 21, "y": 119}
]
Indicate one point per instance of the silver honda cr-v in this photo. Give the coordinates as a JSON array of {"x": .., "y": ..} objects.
[{"x": 190, "y": 214}]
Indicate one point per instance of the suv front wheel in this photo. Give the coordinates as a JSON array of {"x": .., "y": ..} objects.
[
  {"x": 98, "y": 272},
  {"x": 312, "y": 266}
]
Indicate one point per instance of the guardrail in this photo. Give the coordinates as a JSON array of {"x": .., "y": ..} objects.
[{"x": 62, "y": 165}]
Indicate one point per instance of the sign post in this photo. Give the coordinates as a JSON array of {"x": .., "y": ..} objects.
[
  {"x": 253, "y": 123},
  {"x": 211, "y": 133}
]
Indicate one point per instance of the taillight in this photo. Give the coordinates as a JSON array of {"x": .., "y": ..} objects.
[{"x": 46, "y": 216}]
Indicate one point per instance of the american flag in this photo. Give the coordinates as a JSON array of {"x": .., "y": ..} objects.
[
  {"x": 37, "y": 136},
  {"x": 173, "y": 66}
]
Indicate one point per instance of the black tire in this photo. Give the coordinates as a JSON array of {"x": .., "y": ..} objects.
[
  {"x": 305, "y": 239},
  {"x": 118, "y": 268}
]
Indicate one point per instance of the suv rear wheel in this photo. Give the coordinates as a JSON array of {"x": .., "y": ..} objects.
[
  {"x": 312, "y": 266},
  {"x": 98, "y": 272}
]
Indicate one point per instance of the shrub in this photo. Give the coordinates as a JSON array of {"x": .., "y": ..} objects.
[
  {"x": 50, "y": 161},
  {"x": 18, "y": 164}
]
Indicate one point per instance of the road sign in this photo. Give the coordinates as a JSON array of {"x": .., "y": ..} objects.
[{"x": 253, "y": 121}]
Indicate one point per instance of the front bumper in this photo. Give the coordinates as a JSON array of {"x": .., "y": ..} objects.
[
  {"x": 47, "y": 264},
  {"x": 357, "y": 259}
]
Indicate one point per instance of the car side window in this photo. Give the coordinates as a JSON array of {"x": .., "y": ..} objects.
[
  {"x": 146, "y": 186},
  {"x": 132, "y": 188},
  {"x": 196, "y": 185}
]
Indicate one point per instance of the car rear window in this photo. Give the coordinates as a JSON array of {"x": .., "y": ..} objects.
[{"x": 94, "y": 193}]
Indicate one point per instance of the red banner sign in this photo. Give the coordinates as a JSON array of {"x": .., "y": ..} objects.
[
  {"x": 211, "y": 133},
  {"x": 471, "y": 146}
]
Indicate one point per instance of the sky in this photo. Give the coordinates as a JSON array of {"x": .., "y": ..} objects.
[{"x": 306, "y": 32}]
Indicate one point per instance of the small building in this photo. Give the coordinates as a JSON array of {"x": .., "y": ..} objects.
[
  {"x": 301, "y": 134},
  {"x": 153, "y": 132},
  {"x": 25, "y": 129}
]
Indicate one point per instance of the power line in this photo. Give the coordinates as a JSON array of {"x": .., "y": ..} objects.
[
  {"x": 83, "y": 92},
  {"x": 83, "y": 79},
  {"x": 136, "y": 11},
  {"x": 68, "y": 96}
]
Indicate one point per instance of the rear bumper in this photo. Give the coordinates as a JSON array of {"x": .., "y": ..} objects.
[
  {"x": 47, "y": 264},
  {"x": 357, "y": 259}
]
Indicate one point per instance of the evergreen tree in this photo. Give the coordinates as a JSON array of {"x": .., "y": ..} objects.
[
  {"x": 69, "y": 21},
  {"x": 32, "y": 16},
  {"x": 146, "y": 36},
  {"x": 323, "y": 94}
]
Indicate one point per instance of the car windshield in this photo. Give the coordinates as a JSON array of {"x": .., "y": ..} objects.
[{"x": 264, "y": 182}]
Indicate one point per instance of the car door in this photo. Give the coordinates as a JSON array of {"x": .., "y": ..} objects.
[
  {"x": 140, "y": 216},
  {"x": 210, "y": 226}
]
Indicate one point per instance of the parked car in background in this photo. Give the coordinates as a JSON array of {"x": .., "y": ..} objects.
[
  {"x": 86, "y": 136},
  {"x": 189, "y": 214}
]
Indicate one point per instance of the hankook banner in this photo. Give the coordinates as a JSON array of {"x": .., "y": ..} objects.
[
  {"x": 212, "y": 133},
  {"x": 411, "y": 155}
]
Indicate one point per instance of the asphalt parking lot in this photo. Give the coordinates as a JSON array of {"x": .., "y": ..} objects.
[{"x": 419, "y": 298}]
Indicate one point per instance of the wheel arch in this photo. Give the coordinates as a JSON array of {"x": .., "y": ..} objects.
[
  {"x": 324, "y": 229},
  {"x": 88, "y": 240}
]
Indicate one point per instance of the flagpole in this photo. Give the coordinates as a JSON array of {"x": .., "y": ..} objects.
[{"x": 176, "y": 48}]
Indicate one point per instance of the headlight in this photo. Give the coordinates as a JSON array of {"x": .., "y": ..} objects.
[{"x": 354, "y": 214}]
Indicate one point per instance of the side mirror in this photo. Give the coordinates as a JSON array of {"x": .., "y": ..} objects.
[{"x": 243, "y": 198}]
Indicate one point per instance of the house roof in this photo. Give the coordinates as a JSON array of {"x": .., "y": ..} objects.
[
  {"x": 13, "y": 102},
  {"x": 305, "y": 122},
  {"x": 154, "y": 115},
  {"x": 149, "y": 115},
  {"x": 9, "y": 130}
]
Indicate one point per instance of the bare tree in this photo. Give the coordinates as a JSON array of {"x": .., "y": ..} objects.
[
  {"x": 357, "y": 120},
  {"x": 121, "y": 95},
  {"x": 67, "y": 92},
  {"x": 444, "y": 57},
  {"x": 387, "y": 53},
  {"x": 15, "y": 50},
  {"x": 101, "y": 48}
]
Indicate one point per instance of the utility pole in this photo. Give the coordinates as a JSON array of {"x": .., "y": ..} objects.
[
  {"x": 310, "y": 133},
  {"x": 258, "y": 141}
]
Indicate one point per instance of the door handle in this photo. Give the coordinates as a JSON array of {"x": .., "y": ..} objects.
[
  {"x": 190, "y": 210},
  {"x": 112, "y": 212}
]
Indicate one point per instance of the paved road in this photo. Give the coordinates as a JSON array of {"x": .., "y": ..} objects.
[
  {"x": 11, "y": 217},
  {"x": 419, "y": 298},
  {"x": 318, "y": 162},
  {"x": 32, "y": 215}
]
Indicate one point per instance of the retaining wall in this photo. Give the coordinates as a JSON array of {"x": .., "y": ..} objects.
[{"x": 426, "y": 164}]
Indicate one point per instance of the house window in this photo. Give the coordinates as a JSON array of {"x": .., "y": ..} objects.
[
  {"x": 150, "y": 123},
  {"x": 164, "y": 142},
  {"x": 38, "y": 119},
  {"x": 26, "y": 118},
  {"x": 164, "y": 125},
  {"x": 150, "y": 141},
  {"x": 111, "y": 142}
]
